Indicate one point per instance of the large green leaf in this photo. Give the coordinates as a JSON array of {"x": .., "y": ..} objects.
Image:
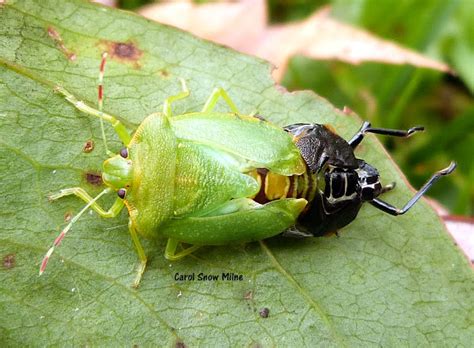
[{"x": 385, "y": 281}]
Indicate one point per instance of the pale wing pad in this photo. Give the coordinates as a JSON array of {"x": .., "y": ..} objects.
[{"x": 259, "y": 143}]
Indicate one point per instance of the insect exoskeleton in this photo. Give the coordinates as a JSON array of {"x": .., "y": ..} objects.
[
  {"x": 336, "y": 183},
  {"x": 189, "y": 178},
  {"x": 214, "y": 178}
]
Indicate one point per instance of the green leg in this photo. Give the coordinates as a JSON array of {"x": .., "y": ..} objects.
[
  {"x": 170, "y": 252},
  {"x": 169, "y": 100},
  {"x": 82, "y": 194},
  {"x": 214, "y": 98},
  {"x": 140, "y": 252},
  {"x": 118, "y": 126}
]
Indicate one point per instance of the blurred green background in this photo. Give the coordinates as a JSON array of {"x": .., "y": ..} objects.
[{"x": 402, "y": 96}]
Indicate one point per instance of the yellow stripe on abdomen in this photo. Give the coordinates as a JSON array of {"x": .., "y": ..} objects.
[{"x": 276, "y": 186}]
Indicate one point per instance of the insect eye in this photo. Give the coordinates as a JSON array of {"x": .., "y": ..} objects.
[
  {"x": 124, "y": 152},
  {"x": 121, "y": 193}
]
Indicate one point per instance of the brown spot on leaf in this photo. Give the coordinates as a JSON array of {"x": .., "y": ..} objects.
[
  {"x": 164, "y": 73},
  {"x": 180, "y": 344},
  {"x": 9, "y": 261},
  {"x": 53, "y": 34},
  {"x": 67, "y": 216},
  {"x": 125, "y": 52},
  {"x": 264, "y": 312},
  {"x": 260, "y": 117},
  {"x": 94, "y": 178},
  {"x": 88, "y": 146},
  {"x": 249, "y": 300}
]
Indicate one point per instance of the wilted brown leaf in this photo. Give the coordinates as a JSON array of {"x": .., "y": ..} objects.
[{"x": 244, "y": 26}]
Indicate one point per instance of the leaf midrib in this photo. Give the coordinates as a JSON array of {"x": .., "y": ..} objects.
[{"x": 312, "y": 303}]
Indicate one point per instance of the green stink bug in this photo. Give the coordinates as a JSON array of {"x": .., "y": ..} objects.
[
  {"x": 214, "y": 178},
  {"x": 188, "y": 177}
]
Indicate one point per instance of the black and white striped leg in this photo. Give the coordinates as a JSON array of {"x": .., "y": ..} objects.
[
  {"x": 390, "y": 209},
  {"x": 366, "y": 128}
]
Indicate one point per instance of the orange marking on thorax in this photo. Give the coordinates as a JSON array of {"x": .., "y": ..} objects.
[{"x": 330, "y": 128}]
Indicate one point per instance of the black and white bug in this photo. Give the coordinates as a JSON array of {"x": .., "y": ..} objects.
[{"x": 342, "y": 182}]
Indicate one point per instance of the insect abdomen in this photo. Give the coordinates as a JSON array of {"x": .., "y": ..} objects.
[{"x": 274, "y": 186}]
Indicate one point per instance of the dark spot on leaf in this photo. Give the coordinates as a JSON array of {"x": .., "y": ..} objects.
[
  {"x": 88, "y": 146},
  {"x": 164, "y": 73},
  {"x": 67, "y": 216},
  {"x": 135, "y": 346},
  {"x": 94, "y": 178},
  {"x": 53, "y": 34},
  {"x": 248, "y": 295},
  {"x": 256, "y": 345},
  {"x": 9, "y": 261},
  {"x": 264, "y": 312},
  {"x": 260, "y": 117},
  {"x": 180, "y": 344},
  {"x": 125, "y": 52}
]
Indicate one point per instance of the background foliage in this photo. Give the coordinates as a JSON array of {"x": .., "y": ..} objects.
[{"x": 401, "y": 96}]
